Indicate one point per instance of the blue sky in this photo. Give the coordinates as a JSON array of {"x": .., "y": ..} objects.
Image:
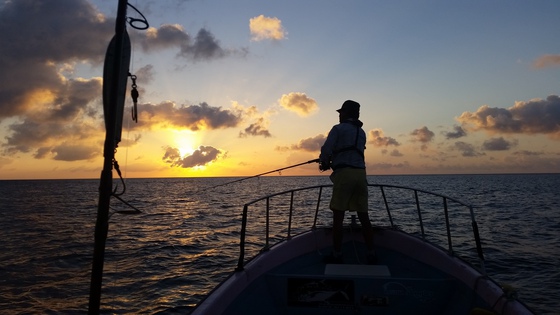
[{"x": 240, "y": 87}]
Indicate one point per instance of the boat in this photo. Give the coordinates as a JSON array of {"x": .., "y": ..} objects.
[{"x": 419, "y": 238}]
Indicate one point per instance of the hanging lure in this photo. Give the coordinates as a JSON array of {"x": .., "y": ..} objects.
[{"x": 134, "y": 94}]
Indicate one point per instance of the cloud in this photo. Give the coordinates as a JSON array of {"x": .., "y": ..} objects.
[
  {"x": 458, "y": 133},
  {"x": 388, "y": 166},
  {"x": 68, "y": 116},
  {"x": 256, "y": 129},
  {"x": 466, "y": 149},
  {"x": 166, "y": 36},
  {"x": 498, "y": 144},
  {"x": 67, "y": 152},
  {"x": 193, "y": 117},
  {"x": 145, "y": 74},
  {"x": 203, "y": 47},
  {"x": 378, "y": 139},
  {"x": 44, "y": 136},
  {"x": 394, "y": 152},
  {"x": 39, "y": 42},
  {"x": 527, "y": 153},
  {"x": 298, "y": 103},
  {"x": 129, "y": 142},
  {"x": 312, "y": 144},
  {"x": 200, "y": 157},
  {"x": 262, "y": 28},
  {"x": 536, "y": 116},
  {"x": 547, "y": 61},
  {"x": 423, "y": 135}
]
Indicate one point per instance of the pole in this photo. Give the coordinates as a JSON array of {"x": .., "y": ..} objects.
[
  {"x": 106, "y": 180},
  {"x": 273, "y": 171}
]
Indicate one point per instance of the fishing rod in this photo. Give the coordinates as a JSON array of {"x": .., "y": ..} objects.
[
  {"x": 261, "y": 174},
  {"x": 115, "y": 76}
]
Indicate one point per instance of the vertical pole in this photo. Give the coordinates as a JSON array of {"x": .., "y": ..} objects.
[
  {"x": 448, "y": 227},
  {"x": 419, "y": 213},
  {"x": 241, "y": 261},
  {"x": 105, "y": 186},
  {"x": 291, "y": 214}
]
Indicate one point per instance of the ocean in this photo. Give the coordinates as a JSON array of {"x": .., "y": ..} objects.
[{"x": 185, "y": 241}]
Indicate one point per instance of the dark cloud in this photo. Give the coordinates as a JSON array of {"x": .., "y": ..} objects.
[
  {"x": 37, "y": 38},
  {"x": 527, "y": 153},
  {"x": 423, "y": 135},
  {"x": 458, "y": 132},
  {"x": 312, "y": 144},
  {"x": 43, "y": 137},
  {"x": 166, "y": 36},
  {"x": 73, "y": 100},
  {"x": 200, "y": 157},
  {"x": 204, "y": 46},
  {"x": 466, "y": 149},
  {"x": 536, "y": 116},
  {"x": 394, "y": 152},
  {"x": 256, "y": 129},
  {"x": 145, "y": 74},
  {"x": 378, "y": 139},
  {"x": 193, "y": 117},
  {"x": 75, "y": 152},
  {"x": 498, "y": 144},
  {"x": 64, "y": 118},
  {"x": 56, "y": 117}
]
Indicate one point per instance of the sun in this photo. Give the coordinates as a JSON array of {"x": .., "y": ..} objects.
[{"x": 185, "y": 141}]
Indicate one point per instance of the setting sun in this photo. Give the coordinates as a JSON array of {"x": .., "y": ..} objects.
[{"x": 185, "y": 140}]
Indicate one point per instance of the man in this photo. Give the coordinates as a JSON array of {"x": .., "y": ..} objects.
[{"x": 343, "y": 151}]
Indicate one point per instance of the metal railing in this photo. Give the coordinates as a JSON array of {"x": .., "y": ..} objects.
[{"x": 398, "y": 191}]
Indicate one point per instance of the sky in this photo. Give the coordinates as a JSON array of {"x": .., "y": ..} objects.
[{"x": 237, "y": 88}]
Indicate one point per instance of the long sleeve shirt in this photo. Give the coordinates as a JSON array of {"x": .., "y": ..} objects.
[{"x": 345, "y": 145}]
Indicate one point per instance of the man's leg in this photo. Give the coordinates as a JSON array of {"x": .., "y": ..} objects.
[
  {"x": 367, "y": 230},
  {"x": 338, "y": 220}
]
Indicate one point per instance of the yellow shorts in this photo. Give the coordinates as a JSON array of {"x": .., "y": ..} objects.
[{"x": 350, "y": 190}]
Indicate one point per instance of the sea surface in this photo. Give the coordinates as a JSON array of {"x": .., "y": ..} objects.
[{"x": 185, "y": 241}]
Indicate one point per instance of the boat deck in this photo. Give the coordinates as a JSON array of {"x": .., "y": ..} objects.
[{"x": 397, "y": 284}]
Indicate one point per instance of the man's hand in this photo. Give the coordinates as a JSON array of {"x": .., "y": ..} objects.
[{"x": 324, "y": 166}]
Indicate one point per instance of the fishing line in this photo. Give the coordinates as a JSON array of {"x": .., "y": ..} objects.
[
  {"x": 134, "y": 93},
  {"x": 261, "y": 174}
]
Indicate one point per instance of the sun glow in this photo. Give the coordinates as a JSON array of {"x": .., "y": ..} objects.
[{"x": 186, "y": 142}]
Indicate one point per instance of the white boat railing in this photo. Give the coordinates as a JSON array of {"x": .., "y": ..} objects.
[{"x": 390, "y": 205}]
